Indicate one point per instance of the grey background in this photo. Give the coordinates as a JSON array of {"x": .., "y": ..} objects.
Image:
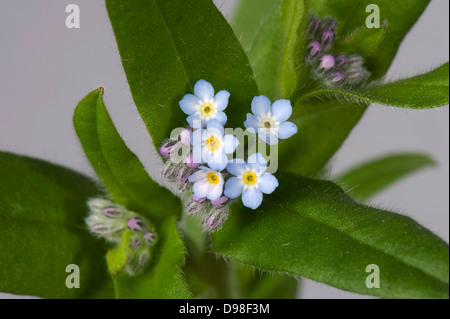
[{"x": 45, "y": 69}]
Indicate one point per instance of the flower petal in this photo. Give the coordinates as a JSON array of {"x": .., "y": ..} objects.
[
  {"x": 218, "y": 160},
  {"x": 257, "y": 162},
  {"x": 189, "y": 104},
  {"x": 260, "y": 105},
  {"x": 233, "y": 187},
  {"x": 221, "y": 100},
  {"x": 201, "y": 188},
  {"x": 197, "y": 176},
  {"x": 215, "y": 192},
  {"x": 231, "y": 142},
  {"x": 252, "y": 198},
  {"x": 237, "y": 166},
  {"x": 215, "y": 128},
  {"x": 197, "y": 154},
  {"x": 195, "y": 120},
  {"x": 204, "y": 90},
  {"x": 251, "y": 123},
  {"x": 286, "y": 130},
  {"x": 267, "y": 183},
  {"x": 269, "y": 136},
  {"x": 282, "y": 110},
  {"x": 221, "y": 117}
]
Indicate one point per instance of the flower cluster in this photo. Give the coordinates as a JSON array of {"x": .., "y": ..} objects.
[
  {"x": 112, "y": 222},
  {"x": 333, "y": 69},
  {"x": 215, "y": 179}
]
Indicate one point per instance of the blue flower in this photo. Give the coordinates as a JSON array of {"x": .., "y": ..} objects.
[
  {"x": 204, "y": 106},
  {"x": 211, "y": 146},
  {"x": 269, "y": 120},
  {"x": 250, "y": 181},
  {"x": 207, "y": 183}
]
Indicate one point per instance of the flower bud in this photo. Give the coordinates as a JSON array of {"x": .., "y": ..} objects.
[
  {"x": 314, "y": 48},
  {"x": 219, "y": 202},
  {"x": 198, "y": 200},
  {"x": 190, "y": 161},
  {"x": 185, "y": 136},
  {"x": 112, "y": 212},
  {"x": 135, "y": 224},
  {"x": 149, "y": 237},
  {"x": 183, "y": 174},
  {"x": 337, "y": 77},
  {"x": 215, "y": 219},
  {"x": 327, "y": 62},
  {"x": 340, "y": 60},
  {"x": 193, "y": 208}
]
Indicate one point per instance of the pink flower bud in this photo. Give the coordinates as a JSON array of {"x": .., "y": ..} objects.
[
  {"x": 327, "y": 62},
  {"x": 314, "y": 47}
]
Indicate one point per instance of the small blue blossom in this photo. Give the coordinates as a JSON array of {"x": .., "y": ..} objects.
[
  {"x": 250, "y": 180},
  {"x": 269, "y": 120},
  {"x": 204, "y": 106},
  {"x": 211, "y": 146},
  {"x": 208, "y": 183}
]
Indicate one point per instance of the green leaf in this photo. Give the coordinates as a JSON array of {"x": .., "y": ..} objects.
[
  {"x": 313, "y": 229},
  {"x": 119, "y": 169},
  {"x": 42, "y": 231},
  {"x": 399, "y": 18},
  {"x": 277, "y": 53},
  {"x": 362, "y": 41},
  {"x": 163, "y": 278},
  {"x": 369, "y": 178},
  {"x": 249, "y": 17},
  {"x": 252, "y": 284},
  {"x": 117, "y": 257},
  {"x": 322, "y": 128},
  {"x": 166, "y": 46},
  {"x": 428, "y": 90}
]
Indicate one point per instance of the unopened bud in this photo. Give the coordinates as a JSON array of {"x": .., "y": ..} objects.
[
  {"x": 185, "y": 136},
  {"x": 337, "y": 77},
  {"x": 219, "y": 202},
  {"x": 112, "y": 212},
  {"x": 183, "y": 174},
  {"x": 327, "y": 62},
  {"x": 190, "y": 161},
  {"x": 135, "y": 224},
  {"x": 215, "y": 219},
  {"x": 314, "y": 48},
  {"x": 340, "y": 60}
]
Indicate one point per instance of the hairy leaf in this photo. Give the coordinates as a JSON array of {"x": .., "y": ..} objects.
[
  {"x": 128, "y": 184},
  {"x": 322, "y": 128},
  {"x": 249, "y": 17},
  {"x": 277, "y": 52},
  {"x": 369, "y": 178},
  {"x": 42, "y": 231},
  {"x": 166, "y": 46},
  {"x": 422, "y": 91},
  {"x": 119, "y": 169},
  {"x": 313, "y": 229}
]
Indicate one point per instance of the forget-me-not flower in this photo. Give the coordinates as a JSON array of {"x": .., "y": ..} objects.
[
  {"x": 204, "y": 106},
  {"x": 269, "y": 120},
  {"x": 211, "y": 146},
  {"x": 208, "y": 183},
  {"x": 250, "y": 180}
]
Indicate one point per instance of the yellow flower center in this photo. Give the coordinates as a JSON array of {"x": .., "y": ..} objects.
[
  {"x": 267, "y": 124},
  {"x": 213, "y": 178},
  {"x": 207, "y": 109},
  {"x": 250, "y": 178},
  {"x": 213, "y": 143}
]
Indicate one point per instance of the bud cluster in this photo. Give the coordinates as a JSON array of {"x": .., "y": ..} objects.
[
  {"x": 111, "y": 221},
  {"x": 333, "y": 69},
  {"x": 212, "y": 213}
]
